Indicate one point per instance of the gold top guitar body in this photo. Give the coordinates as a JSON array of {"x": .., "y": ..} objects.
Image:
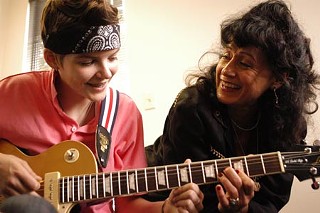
[{"x": 64, "y": 159}]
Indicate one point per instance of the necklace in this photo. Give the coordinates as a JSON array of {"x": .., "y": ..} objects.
[
  {"x": 247, "y": 129},
  {"x": 255, "y": 179}
]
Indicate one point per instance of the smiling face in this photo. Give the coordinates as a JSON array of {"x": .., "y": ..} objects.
[
  {"x": 242, "y": 76},
  {"x": 86, "y": 76}
]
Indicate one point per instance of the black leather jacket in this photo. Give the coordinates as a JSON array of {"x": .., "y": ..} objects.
[{"x": 199, "y": 128}]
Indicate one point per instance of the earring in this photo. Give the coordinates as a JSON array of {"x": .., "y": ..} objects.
[{"x": 276, "y": 96}]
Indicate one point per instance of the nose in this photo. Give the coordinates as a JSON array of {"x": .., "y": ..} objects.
[
  {"x": 106, "y": 70},
  {"x": 229, "y": 69}
]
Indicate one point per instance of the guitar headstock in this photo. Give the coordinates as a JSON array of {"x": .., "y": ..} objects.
[{"x": 303, "y": 162}]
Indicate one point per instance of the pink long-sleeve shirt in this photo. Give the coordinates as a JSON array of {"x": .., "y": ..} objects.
[{"x": 31, "y": 118}]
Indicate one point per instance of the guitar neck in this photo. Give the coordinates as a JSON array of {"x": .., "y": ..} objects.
[{"x": 128, "y": 182}]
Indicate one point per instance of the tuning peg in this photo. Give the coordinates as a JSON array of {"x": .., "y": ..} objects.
[
  {"x": 316, "y": 142},
  {"x": 315, "y": 184}
]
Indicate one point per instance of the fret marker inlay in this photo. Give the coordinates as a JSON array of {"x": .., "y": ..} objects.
[
  {"x": 184, "y": 175},
  {"x": 132, "y": 182},
  {"x": 161, "y": 178},
  {"x": 238, "y": 165},
  {"x": 210, "y": 171}
]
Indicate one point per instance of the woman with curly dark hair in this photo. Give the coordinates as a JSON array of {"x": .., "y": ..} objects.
[{"x": 254, "y": 99}]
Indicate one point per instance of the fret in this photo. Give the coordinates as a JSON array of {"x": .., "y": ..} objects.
[
  {"x": 156, "y": 178},
  {"x": 190, "y": 175},
  {"x": 119, "y": 183},
  {"x": 62, "y": 190},
  {"x": 217, "y": 170},
  {"x": 127, "y": 183},
  {"x": 246, "y": 166},
  {"x": 230, "y": 163},
  {"x": 104, "y": 184},
  {"x": 136, "y": 180},
  {"x": 178, "y": 175},
  {"x": 203, "y": 175},
  {"x": 72, "y": 188},
  {"x": 111, "y": 184},
  {"x": 145, "y": 177},
  {"x": 262, "y": 163},
  {"x": 90, "y": 186},
  {"x": 68, "y": 189},
  {"x": 78, "y": 187},
  {"x": 166, "y": 176},
  {"x": 130, "y": 182}
]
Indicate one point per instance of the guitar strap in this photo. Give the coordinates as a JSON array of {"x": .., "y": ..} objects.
[{"x": 108, "y": 113}]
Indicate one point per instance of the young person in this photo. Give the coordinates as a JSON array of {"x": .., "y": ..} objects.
[
  {"x": 253, "y": 99},
  {"x": 41, "y": 109}
]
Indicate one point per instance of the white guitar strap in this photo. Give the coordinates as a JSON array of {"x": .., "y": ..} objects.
[{"x": 109, "y": 109}]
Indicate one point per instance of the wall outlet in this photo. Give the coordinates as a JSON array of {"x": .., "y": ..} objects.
[{"x": 149, "y": 101}]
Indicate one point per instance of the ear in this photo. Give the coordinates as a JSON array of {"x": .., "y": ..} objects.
[
  {"x": 278, "y": 83},
  {"x": 50, "y": 58}
]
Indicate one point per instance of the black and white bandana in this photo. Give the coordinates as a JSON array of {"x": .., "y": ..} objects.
[{"x": 84, "y": 39}]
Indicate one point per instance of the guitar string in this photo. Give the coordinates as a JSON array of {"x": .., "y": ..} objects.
[
  {"x": 226, "y": 164},
  {"x": 223, "y": 164}
]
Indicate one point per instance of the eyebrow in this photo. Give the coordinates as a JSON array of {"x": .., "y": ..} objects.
[{"x": 248, "y": 54}]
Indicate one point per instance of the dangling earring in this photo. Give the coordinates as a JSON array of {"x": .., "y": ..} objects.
[{"x": 276, "y": 96}]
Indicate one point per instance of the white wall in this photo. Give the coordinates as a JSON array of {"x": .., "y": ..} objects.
[
  {"x": 164, "y": 39},
  {"x": 12, "y": 25}
]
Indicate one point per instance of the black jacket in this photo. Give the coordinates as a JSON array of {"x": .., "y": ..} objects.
[{"x": 198, "y": 127}]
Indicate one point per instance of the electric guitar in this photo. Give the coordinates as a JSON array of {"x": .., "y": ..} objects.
[{"x": 70, "y": 173}]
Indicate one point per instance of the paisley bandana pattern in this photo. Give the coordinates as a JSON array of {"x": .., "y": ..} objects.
[{"x": 80, "y": 39}]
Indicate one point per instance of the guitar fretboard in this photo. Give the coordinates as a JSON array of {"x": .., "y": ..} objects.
[{"x": 105, "y": 185}]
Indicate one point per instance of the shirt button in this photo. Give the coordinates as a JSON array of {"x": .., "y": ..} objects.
[{"x": 73, "y": 129}]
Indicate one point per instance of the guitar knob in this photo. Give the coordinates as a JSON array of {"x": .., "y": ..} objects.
[{"x": 71, "y": 155}]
